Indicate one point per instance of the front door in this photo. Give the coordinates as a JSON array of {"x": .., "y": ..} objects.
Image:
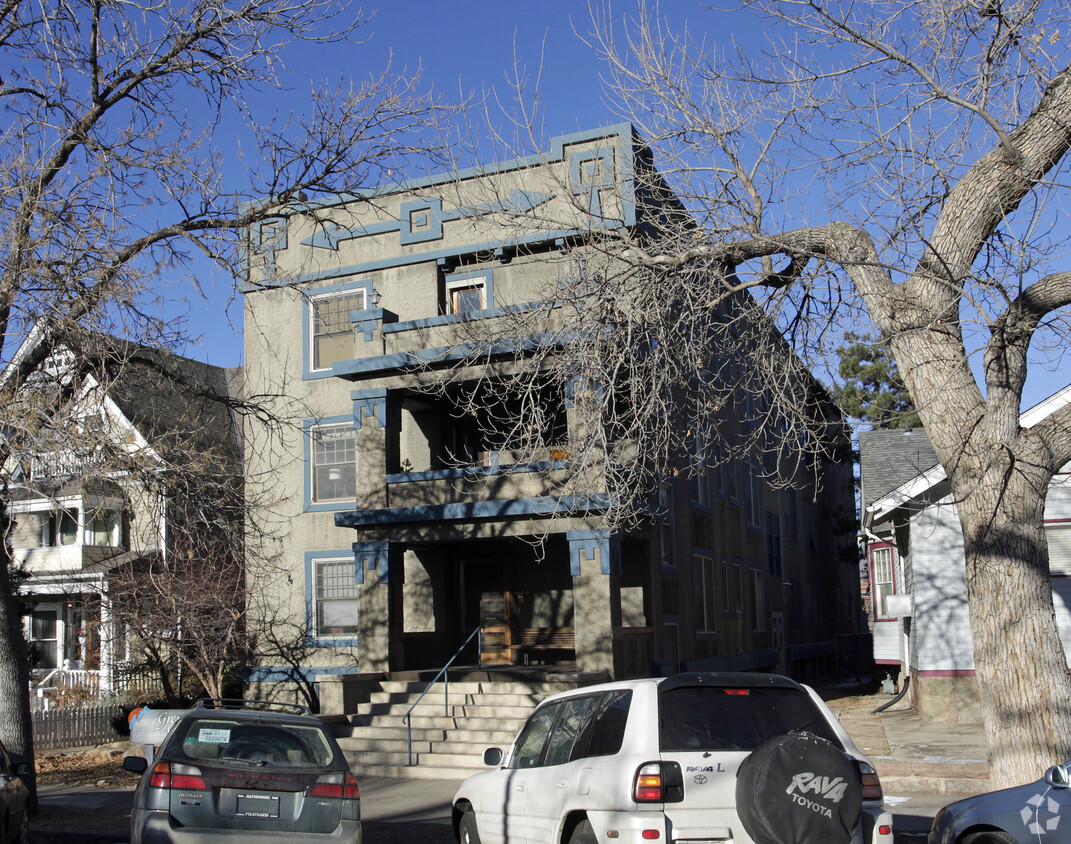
[{"x": 488, "y": 598}]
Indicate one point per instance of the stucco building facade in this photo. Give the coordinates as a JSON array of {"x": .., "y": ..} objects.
[{"x": 400, "y": 524}]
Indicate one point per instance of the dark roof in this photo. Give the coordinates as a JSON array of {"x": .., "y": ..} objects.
[
  {"x": 181, "y": 406},
  {"x": 890, "y": 457}
]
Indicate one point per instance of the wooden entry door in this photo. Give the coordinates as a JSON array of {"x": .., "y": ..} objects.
[{"x": 487, "y": 592}]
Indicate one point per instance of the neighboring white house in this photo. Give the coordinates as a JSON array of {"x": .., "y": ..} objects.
[
  {"x": 77, "y": 517},
  {"x": 914, "y": 550}
]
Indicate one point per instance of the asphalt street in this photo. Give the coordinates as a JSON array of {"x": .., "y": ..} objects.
[{"x": 397, "y": 811}]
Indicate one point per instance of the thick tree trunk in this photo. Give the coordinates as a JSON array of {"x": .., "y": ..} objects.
[
  {"x": 1020, "y": 664},
  {"x": 16, "y": 725}
]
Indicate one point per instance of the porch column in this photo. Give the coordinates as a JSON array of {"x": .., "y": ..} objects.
[
  {"x": 107, "y": 642},
  {"x": 595, "y": 559},
  {"x": 370, "y": 421},
  {"x": 373, "y": 605}
]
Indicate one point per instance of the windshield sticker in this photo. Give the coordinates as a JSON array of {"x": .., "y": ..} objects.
[{"x": 213, "y": 736}]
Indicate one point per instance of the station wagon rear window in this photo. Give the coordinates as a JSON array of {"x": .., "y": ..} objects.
[
  {"x": 250, "y": 743},
  {"x": 713, "y": 718}
]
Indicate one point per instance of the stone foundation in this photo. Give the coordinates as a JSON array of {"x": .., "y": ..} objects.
[{"x": 952, "y": 699}]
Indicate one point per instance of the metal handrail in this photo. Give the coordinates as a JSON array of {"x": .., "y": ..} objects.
[{"x": 478, "y": 633}]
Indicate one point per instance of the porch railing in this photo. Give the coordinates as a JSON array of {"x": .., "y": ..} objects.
[{"x": 445, "y": 677}]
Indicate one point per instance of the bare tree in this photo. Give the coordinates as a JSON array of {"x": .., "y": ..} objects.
[
  {"x": 113, "y": 174},
  {"x": 885, "y": 166}
]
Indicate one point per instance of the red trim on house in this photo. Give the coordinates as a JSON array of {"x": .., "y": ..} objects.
[{"x": 887, "y": 662}]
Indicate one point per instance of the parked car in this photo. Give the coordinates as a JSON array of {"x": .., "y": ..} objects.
[
  {"x": 751, "y": 758},
  {"x": 249, "y": 771},
  {"x": 1038, "y": 811},
  {"x": 14, "y": 797}
]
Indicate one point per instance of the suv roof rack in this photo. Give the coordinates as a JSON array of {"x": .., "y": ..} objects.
[{"x": 256, "y": 705}]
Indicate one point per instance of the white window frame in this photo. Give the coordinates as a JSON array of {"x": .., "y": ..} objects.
[
  {"x": 456, "y": 286},
  {"x": 344, "y": 579},
  {"x": 315, "y": 432},
  {"x": 886, "y": 567}
]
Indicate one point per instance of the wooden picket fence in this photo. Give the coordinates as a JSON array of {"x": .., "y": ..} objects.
[{"x": 86, "y": 725}]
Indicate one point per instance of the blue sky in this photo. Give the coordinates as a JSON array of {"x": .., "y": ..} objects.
[{"x": 467, "y": 47}]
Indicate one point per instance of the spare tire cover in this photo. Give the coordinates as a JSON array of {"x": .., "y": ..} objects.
[{"x": 798, "y": 789}]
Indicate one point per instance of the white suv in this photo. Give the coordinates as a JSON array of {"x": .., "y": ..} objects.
[{"x": 732, "y": 758}]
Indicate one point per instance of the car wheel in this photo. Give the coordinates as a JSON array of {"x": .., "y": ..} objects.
[
  {"x": 467, "y": 832},
  {"x": 583, "y": 834},
  {"x": 24, "y": 831},
  {"x": 989, "y": 836}
]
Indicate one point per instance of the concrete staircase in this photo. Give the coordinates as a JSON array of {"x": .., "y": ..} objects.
[{"x": 449, "y": 736}]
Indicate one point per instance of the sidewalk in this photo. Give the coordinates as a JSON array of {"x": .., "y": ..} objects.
[{"x": 912, "y": 755}]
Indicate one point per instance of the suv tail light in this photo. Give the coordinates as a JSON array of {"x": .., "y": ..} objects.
[
  {"x": 869, "y": 779},
  {"x": 658, "y": 782},
  {"x": 335, "y": 785},
  {"x": 187, "y": 777}
]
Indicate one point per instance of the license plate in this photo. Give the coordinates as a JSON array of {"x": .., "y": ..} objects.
[{"x": 257, "y": 806}]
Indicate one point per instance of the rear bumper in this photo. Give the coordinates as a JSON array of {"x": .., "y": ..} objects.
[
  {"x": 151, "y": 827},
  {"x": 629, "y": 827}
]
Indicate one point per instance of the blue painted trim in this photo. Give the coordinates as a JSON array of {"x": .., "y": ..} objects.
[
  {"x": 307, "y": 425},
  {"x": 572, "y": 385},
  {"x": 370, "y": 406},
  {"x": 621, "y": 139},
  {"x": 373, "y": 555},
  {"x": 476, "y": 471},
  {"x": 592, "y": 189},
  {"x": 365, "y": 367},
  {"x": 584, "y": 543},
  {"x": 310, "y": 622},
  {"x": 285, "y": 673},
  {"x": 472, "y": 510},
  {"x": 307, "y": 372},
  {"x": 624, "y": 132},
  {"x": 488, "y": 278},
  {"x": 426, "y": 215}
]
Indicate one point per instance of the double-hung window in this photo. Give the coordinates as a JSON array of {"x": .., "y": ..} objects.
[
  {"x": 331, "y": 330},
  {"x": 334, "y": 463},
  {"x": 336, "y": 598},
  {"x": 882, "y": 578},
  {"x": 706, "y": 604}
]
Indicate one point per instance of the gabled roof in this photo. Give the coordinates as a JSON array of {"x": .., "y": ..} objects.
[
  {"x": 897, "y": 466},
  {"x": 891, "y": 457},
  {"x": 177, "y": 406}
]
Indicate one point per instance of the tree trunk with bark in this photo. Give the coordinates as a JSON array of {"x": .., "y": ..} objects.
[{"x": 16, "y": 723}]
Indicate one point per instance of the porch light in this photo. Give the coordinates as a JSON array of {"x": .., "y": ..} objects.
[{"x": 374, "y": 297}]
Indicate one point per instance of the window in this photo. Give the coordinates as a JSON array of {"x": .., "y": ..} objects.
[
  {"x": 753, "y": 496},
  {"x": 336, "y": 598},
  {"x": 706, "y": 604},
  {"x": 103, "y": 528},
  {"x": 606, "y": 730},
  {"x": 790, "y": 519},
  {"x": 43, "y": 629},
  {"x": 773, "y": 543},
  {"x": 701, "y": 480},
  {"x": 883, "y": 583},
  {"x": 665, "y": 526},
  {"x": 529, "y": 752},
  {"x": 469, "y": 293},
  {"x": 738, "y": 587},
  {"x": 466, "y": 298},
  {"x": 758, "y": 600},
  {"x": 60, "y": 528},
  {"x": 334, "y": 463},
  {"x": 567, "y": 729},
  {"x": 331, "y": 330}
]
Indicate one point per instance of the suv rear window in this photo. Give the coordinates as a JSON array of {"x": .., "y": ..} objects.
[
  {"x": 279, "y": 745},
  {"x": 711, "y": 718}
]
